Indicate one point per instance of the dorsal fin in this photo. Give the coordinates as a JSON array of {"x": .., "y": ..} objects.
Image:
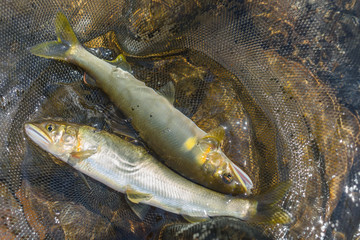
[{"x": 168, "y": 91}]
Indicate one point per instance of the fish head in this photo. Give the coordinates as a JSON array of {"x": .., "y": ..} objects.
[
  {"x": 224, "y": 172},
  {"x": 59, "y": 139}
]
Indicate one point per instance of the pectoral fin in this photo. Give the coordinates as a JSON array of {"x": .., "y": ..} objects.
[
  {"x": 76, "y": 157},
  {"x": 217, "y": 134},
  {"x": 136, "y": 197},
  {"x": 168, "y": 91},
  {"x": 194, "y": 219},
  {"x": 79, "y": 156}
]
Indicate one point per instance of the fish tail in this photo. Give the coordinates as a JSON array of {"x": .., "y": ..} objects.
[
  {"x": 60, "y": 49},
  {"x": 266, "y": 211}
]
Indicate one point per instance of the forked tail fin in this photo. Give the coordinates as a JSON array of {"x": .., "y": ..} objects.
[
  {"x": 266, "y": 210},
  {"x": 59, "y": 49}
]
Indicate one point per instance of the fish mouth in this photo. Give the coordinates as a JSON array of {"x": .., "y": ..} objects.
[
  {"x": 243, "y": 178},
  {"x": 37, "y": 135}
]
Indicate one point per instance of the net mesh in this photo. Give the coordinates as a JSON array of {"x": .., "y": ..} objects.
[{"x": 281, "y": 76}]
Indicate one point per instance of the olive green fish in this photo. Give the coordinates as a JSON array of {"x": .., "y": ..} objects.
[
  {"x": 130, "y": 169},
  {"x": 174, "y": 137}
]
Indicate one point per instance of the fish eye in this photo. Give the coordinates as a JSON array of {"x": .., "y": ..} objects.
[
  {"x": 227, "y": 178},
  {"x": 49, "y": 127}
]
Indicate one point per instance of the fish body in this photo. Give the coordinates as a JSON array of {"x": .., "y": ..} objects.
[
  {"x": 129, "y": 169},
  {"x": 182, "y": 145}
]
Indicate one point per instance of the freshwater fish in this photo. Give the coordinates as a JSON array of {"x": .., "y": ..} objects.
[
  {"x": 130, "y": 169},
  {"x": 181, "y": 144}
]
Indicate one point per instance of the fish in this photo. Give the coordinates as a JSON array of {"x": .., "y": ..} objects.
[
  {"x": 180, "y": 143},
  {"x": 130, "y": 169}
]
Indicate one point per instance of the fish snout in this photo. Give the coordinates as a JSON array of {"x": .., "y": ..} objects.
[{"x": 37, "y": 135}]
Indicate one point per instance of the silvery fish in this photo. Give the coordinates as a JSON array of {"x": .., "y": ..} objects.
[
  {"x": 182, "y": 145},
  {"x": 130, "y": 169}
]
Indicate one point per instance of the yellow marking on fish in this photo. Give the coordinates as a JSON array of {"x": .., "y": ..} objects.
[
  {"x": 78, "y": 146},
  {"x": 203, "y": 156},
  {"x": 190, "y": 143}
]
